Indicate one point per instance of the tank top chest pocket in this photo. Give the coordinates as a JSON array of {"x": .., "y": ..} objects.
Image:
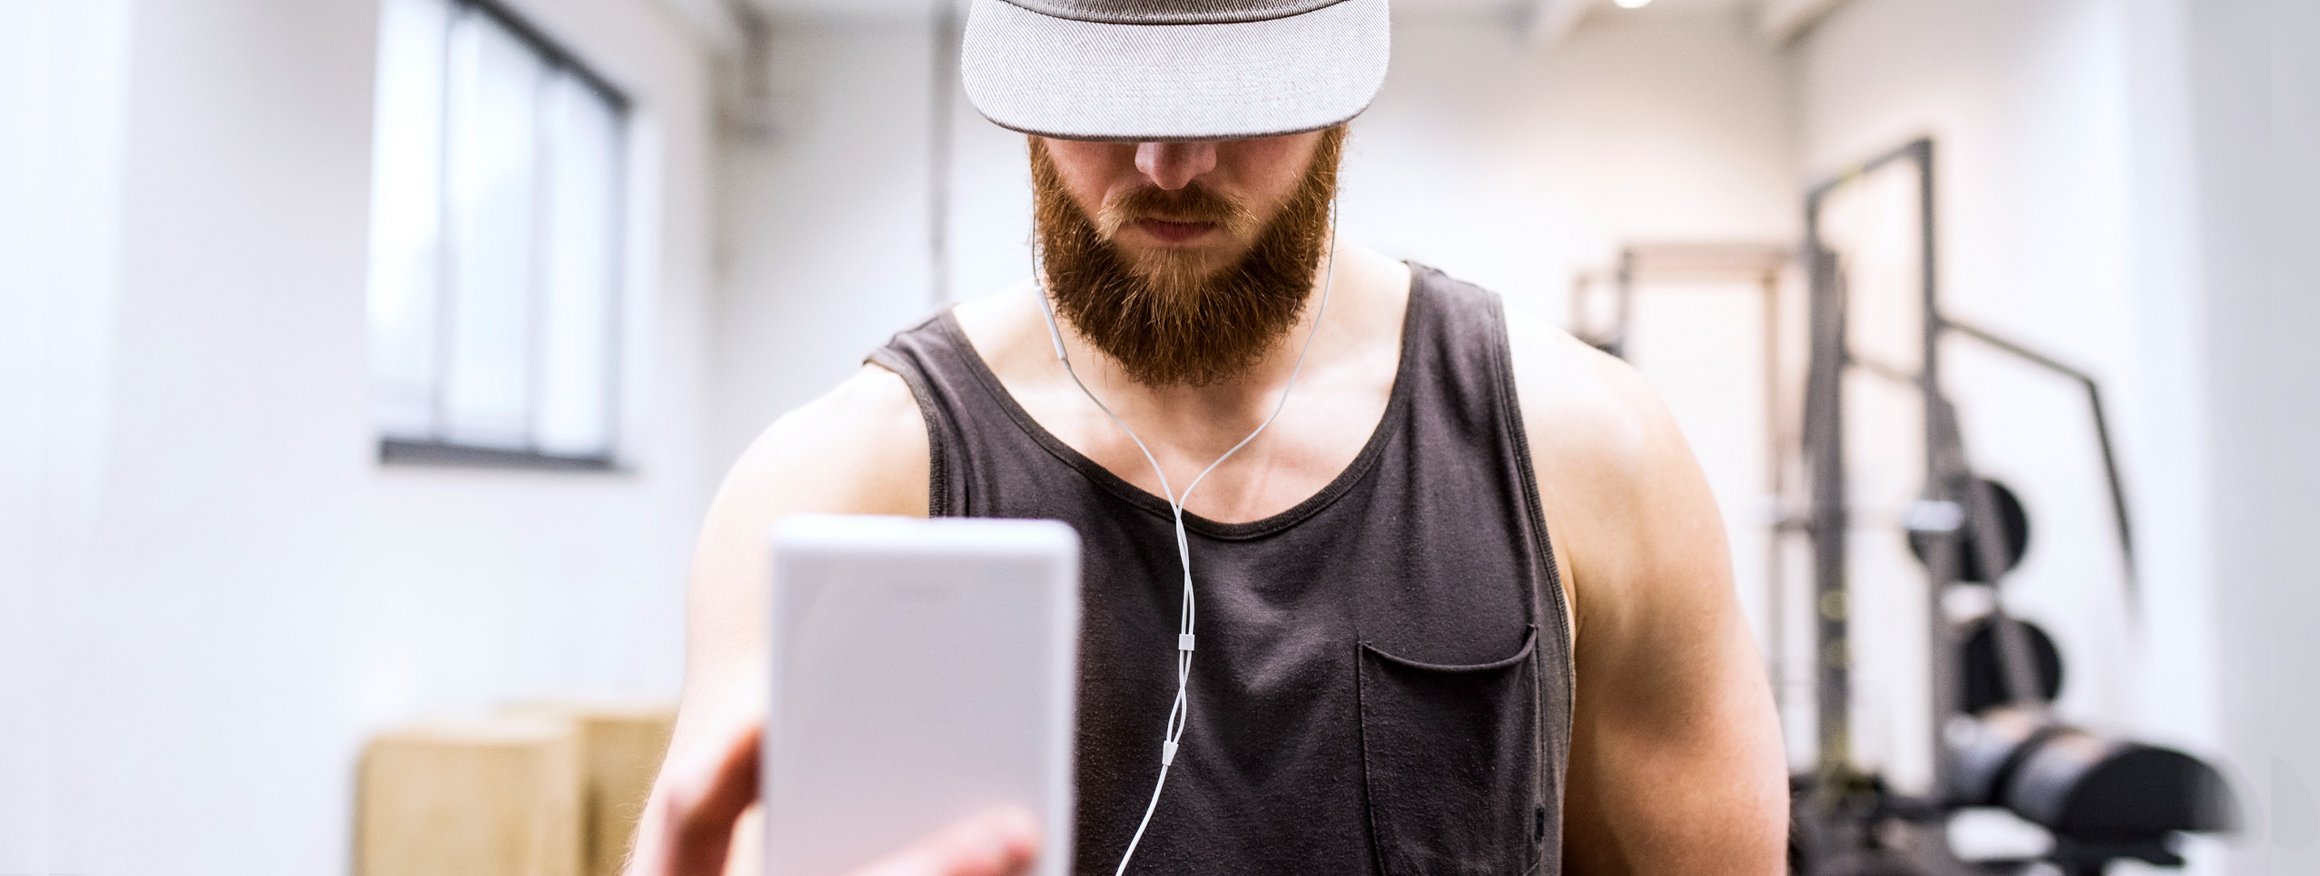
[{"x": 1451, "y": 763}]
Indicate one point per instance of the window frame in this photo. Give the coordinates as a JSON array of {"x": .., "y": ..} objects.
[{"x": 441, "y": 449}]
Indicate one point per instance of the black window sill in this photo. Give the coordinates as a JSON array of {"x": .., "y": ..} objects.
[{"x": 428, "y": 453}]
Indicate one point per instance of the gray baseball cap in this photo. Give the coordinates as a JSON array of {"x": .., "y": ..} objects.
[{"x": 1173, "y": 69}]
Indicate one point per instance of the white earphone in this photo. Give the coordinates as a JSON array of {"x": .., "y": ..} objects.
[{"x": 1174, "y": 731}]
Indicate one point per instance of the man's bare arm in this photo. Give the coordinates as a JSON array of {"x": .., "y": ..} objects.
[
  {"x": 861, "y": 449},
  {"x": 1676, "y": 762}
]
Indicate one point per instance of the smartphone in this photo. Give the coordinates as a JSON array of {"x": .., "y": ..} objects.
[{"x": 922, "y": 671}]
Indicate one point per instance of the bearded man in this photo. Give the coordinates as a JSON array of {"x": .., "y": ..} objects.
[{"x": 1466, "y": 605}]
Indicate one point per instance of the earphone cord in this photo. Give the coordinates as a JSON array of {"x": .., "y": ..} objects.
[{"x": 1174, "y": 731}]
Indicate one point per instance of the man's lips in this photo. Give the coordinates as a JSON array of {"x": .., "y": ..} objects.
[{"x": 1167, "y": 231}]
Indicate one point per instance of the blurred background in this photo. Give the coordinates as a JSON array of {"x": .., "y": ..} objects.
[{"x": 369, "y": 362}]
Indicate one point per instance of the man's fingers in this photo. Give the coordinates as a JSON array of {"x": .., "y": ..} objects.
[
  {"x": 702, "y": 814},
  {"x": 1001, "y": 842},
  {"x": 703, "y": 810}
]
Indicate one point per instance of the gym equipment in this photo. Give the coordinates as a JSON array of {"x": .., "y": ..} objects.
[
  {"x": 1994, "y": 742},
  {"x": 2103, "y": 799},
  {"x": 1763, "y": 263},
  {"x": 1981, "y": 666},
  {"x": 1966, "y": 552}
]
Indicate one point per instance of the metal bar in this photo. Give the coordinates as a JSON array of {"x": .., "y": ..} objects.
[
  {"x": 1576, "y": 304},
  {"x": 1945, "y": 688},
  {"x": 539, "y": 299},
  {"x": 1724, "y": 259},
  {"x": 1884, "y": 370},
  {"x": 2016, "y": 671},
  {"x": 1929, "y": 288},
  {"x": 2119, "y": 514},
  {"x": 1906, "y": 151},
  {"x": 2017, "y": 350},
  {"x": 1638, "y": 262},
  {"x": 457, "y": 32},
  {"x": 440, "y": 453},
  {"x": 1828, "y": 833},
  {"x": 1823, "y": 442},
  {"x": 1823, "y": 433},
  {"x": 625, "y": 234},
  {"x": 947, "y": 33},
  {"x": 1776, "y": 483},
  {"x": 1821, "y": 437},
  {"x": 530, "y": 34},
  {"x": 2121, "y": 520},
  {"x": 1624, "y": 317}
]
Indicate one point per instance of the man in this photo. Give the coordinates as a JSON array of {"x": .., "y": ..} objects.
[{"x": 1399, "y": 670}]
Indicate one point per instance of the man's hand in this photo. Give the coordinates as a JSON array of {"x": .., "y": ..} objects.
[
  {"x": 1001, "y": 842},
  {"x": 704, "y": 803}
]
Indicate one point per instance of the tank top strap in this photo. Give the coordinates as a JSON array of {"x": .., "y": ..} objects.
[
  {"x": 1464, "y": 389},
  {"x": 931, "y": 359},
  {"x": 1466, "y": 400}
]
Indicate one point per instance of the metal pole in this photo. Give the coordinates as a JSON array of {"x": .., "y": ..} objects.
[
  {"x": 947, "y": 33},
  {"x": 1576, "y": 303},
  {"x": 1776, "y": 483},
  {"x": 1624, "y": 314},
  {"x": 2121, "y": 521},
  {"x": 1940, "y": 427},
  {"x": 1849, "y": 829},
  {"x": 1823, "y": 433}
]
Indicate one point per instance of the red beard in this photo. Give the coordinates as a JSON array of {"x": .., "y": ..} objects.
[{"x": 1171, "y": 318}]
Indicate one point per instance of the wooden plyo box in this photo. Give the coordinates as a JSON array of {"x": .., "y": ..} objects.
[
  {"x": 489, "y": 797},
  {"x": 621, "y": 747}
]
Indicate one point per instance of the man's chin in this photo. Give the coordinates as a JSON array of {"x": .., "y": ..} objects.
[{"x": 1179, "y": 267}]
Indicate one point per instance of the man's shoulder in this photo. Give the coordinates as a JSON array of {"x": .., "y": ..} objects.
[
  {"x": 1615, "y": 477},
  {"x": 873, "y": 404},
  {"x": 1567, "y": 383},
  {"x": 1599, "y": 435},
  {"x": 860, "y": 447}
]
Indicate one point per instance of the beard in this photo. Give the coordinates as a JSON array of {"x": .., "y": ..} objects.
[{"x": 1183, "y": 317}]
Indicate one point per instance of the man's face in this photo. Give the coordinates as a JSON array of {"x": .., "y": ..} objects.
[
  {"x": 1184, "y": 262},
  {"x": 1138, "y": 193}
]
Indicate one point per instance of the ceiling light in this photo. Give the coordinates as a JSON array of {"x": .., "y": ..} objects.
[{"x": 1631, "y": 4}]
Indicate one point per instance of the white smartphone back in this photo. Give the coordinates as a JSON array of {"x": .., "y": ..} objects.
[{"x": 923, "y": 671}]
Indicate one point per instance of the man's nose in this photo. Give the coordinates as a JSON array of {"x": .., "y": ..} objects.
[{"x": 1174, "y": 165}]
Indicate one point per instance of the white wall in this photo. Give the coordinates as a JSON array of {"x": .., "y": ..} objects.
[
  {"x": 62, "y": 75},
  {"x": 2254, "y": 124},
  {"x": 244, "y": 593},
  {"x": 1518, "y": 167},
  {"x": 823, "y": 229}
]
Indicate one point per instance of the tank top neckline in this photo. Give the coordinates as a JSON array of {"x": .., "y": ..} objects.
[{"x": 1388, "y": 426}]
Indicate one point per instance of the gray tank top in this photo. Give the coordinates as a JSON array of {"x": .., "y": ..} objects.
[{"x": 1383, "y": 676}]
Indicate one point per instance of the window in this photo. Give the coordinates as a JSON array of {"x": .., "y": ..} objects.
[{"x": 494, "y": 296}]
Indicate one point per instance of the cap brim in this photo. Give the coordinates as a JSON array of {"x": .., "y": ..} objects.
[{"x": 1081, "y": 80}]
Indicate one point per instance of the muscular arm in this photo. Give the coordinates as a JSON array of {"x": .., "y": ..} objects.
[
  {"x": 861, "y": 449},
  {"x": 1676, "y": 763}
]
